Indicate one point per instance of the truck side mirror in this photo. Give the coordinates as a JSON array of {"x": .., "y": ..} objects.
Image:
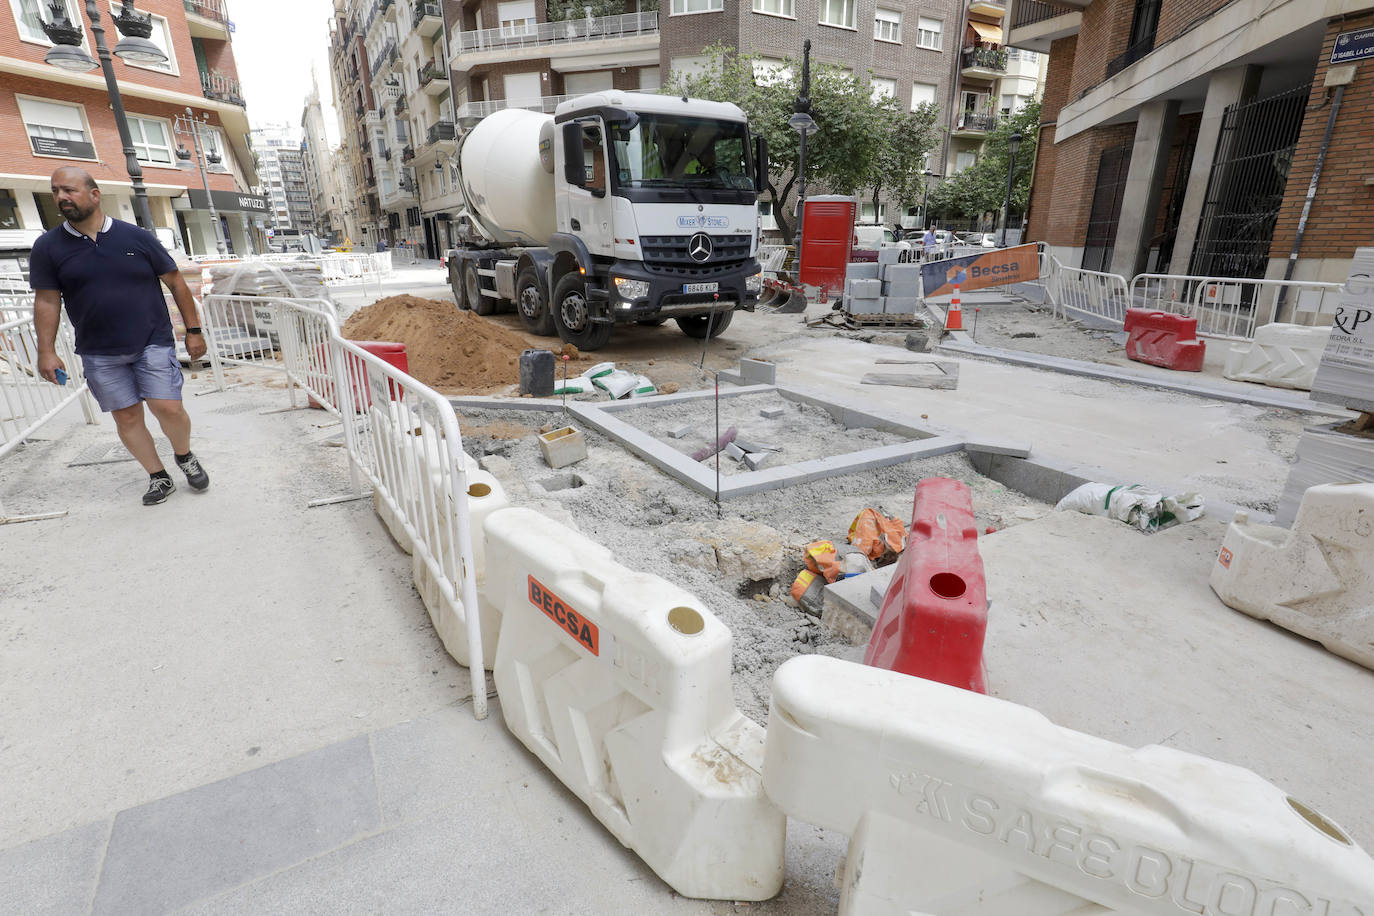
[
  {"x": 573, "y": 168},
  {"x": 760, "y": 164}
]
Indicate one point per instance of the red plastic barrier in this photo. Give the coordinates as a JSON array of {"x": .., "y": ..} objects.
[
  {"x": 386, "y": 350},
  {"x": 1164, "y": 339},
  {"x": 935, "y": 613}
]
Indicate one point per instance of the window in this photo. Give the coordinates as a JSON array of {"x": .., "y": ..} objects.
[
  {"x": 152, "y": 140},
  {"x": 27, "y": 17},
  {"x": 837, "y": 13},
  {"x": 56, "y": 129},
  {"x": 521, "y": 89},
  {"x": 866, "y": 215},
  {"x": 212, "y": 144},
  {"x": 922, "y": 94},
  {"x": 587, "y": 83},
  {"x": 766, "y": 220},
  {"x": 649, "y": 79},
  {"x": 964, "y": 160},
  {"x": 775, "y": 8},
  {"x": 689, "y": 66},
  {"x": 681, "y": 7},
  {"x": 162, "y": 37},
  {"x": 770, "y": 70},
  {"x": 928, "y": 33},
  {"x": 887, "y": 25},
  {"x": 883, "y": 88},
  {"x": 517, "y": 18}
]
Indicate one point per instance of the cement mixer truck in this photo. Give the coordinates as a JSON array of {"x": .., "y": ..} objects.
[{"x": 620, "y": 207}]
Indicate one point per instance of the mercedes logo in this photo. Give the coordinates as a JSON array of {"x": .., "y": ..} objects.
[{"x": 699, "y": 247}]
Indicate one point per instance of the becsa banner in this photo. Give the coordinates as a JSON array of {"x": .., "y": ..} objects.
[{"x": 979, "y": 271}]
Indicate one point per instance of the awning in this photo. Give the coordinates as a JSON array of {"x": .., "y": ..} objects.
[{"x": 987, "y": 31}]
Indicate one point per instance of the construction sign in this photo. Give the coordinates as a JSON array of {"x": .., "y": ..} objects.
[{"x": 979, "y": 271}]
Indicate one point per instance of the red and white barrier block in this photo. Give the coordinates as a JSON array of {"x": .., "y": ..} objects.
[
  {"x": 619, "y": 682},
  {"x": 958, "y": 803}
]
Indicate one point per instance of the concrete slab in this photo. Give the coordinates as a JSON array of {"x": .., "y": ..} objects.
[
  {"x": 174, "y": 851},
  {"x": 54, "y": 875},
  {"x": 939, "y": 376}
]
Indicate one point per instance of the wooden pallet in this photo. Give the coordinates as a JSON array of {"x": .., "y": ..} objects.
[{"x": 866, "y": 322}]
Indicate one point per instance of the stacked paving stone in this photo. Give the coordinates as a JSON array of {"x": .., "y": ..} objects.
[{"x": 887, "y": 287}]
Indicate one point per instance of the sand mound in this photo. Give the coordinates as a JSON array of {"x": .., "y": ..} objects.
[{"x": 447, "y": 349}]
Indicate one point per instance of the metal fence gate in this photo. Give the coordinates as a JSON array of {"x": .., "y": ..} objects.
[
  {"x": 1100, "y": 242},
  {"x": 1245, "y": 189}
]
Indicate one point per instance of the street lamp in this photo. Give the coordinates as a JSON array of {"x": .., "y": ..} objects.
[
  {"x": 187, "y": 123},
  {"x": 926, "y": 175},
  {"x": 805, "y": 125},
  {"x": 1013, "y": 144},
  {"x": 67, "y": 54}
]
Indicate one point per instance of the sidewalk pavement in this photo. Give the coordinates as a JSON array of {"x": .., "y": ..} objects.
[{"x": 233, "y": 703}]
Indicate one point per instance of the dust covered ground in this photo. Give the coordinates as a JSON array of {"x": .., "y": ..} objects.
[{"x": 739, "y": 558}]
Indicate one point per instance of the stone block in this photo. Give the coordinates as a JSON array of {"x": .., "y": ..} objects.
[
  {"x": 863, "y": 306},
  {"x": 771, "y": 413},
  {"x": 680, "y": 432},
  {"x": 861, "y": 270},
  {"x": 757, "y": 372},
  {"x": 863, "y": 289}
]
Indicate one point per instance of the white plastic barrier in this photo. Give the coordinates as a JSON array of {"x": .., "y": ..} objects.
[
  {"x": 1281, "y": 355},
  {"x": 958, "y": 803},
  {"x": 1317, "y": 579},
  {"x": 620, "y": 682},
  {"x": 416, "y": 446}
]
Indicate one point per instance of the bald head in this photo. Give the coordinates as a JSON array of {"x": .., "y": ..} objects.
[
  {"x": 74, "y": 173},
  {"x": 76, "y": 194}
]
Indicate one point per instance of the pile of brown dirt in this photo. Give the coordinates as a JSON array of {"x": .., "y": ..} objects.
[{"x": 447, "y": 349}]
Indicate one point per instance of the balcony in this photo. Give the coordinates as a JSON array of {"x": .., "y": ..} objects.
[
  {"x": 387, "y": 7},
  {"x": 1134, "y": 53},
  {"x": 976, "y": 123},
  {"x": 428, "y": 19},
  {"x": 407, "y": 153},
  {"x": 432, "y": 79},
  {"x": 207, "y": 19},
  {"x": 439, "y": 132},
  {"x": 474, "y": 111},
  {"x": 401, "y": 106},
  {"x": 386, "y": 153},
  {"x": 632, "y": 32},
  {"x": 222, "y": 88},
  {"x": 1035, "y": 23},
  {"x": 989, "y": 8},
  {"x": 984, "y": 62}
]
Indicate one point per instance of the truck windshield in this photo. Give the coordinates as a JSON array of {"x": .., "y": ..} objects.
[{"x": 668, "y": 151}]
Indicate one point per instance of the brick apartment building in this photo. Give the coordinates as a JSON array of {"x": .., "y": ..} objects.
[
  {"x": 1181, "y": 136},
  {"x": 53, "y": 117}
]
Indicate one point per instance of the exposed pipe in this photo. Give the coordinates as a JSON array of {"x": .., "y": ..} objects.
[{"x": 1307, "y": 202}]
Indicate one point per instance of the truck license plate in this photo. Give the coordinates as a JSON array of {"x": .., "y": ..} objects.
[{"x": 700, "y": 287}]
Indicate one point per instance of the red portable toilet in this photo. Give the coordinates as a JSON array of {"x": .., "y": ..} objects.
[{"x": 826, "y": 242}]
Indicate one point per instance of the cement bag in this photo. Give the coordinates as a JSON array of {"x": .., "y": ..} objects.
[
  {"x": 1136, "y": 506},
  {"x": 877, "y": 535}
]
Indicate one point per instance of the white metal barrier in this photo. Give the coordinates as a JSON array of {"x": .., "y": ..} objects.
[
  {"x": 1105, "y": 296},
  {"x": 26, "y": 400},
  {"x": 417, "y": 469},
  {"x": 956, "y": 802},
  {"x": 619, "y": 681},
  {"x": 1230, "y": 308}
]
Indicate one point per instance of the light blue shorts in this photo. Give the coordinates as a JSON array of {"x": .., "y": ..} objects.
[{"x": 123, "y": 381}]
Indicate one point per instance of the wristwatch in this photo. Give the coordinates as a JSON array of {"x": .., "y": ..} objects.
[{"x": 192, "y": 331}]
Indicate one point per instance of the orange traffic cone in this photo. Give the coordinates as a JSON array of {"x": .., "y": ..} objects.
[{"x": 954, "y": 320}]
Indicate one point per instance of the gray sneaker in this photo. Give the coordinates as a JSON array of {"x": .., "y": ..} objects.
[
  {"x": 159, "y": 488},
  {"x": 195, "y": 474}
]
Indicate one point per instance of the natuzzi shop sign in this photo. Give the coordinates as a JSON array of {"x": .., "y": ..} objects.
[{"x": 227, "y": 201}]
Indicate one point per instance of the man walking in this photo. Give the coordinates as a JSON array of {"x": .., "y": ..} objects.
[{"x": 107, "y": 272}]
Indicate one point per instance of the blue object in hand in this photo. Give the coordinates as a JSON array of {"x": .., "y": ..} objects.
[{"x": 61, "y": 376}]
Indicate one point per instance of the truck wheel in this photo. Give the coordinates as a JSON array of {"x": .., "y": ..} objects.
[
  {"x": 472, "y": 291},
  {"x": 572, "y": 315},
  {"x": 529, "y": 302},
  {"x": 455, "y": 282},
  {"x": 696, "y": 326}
]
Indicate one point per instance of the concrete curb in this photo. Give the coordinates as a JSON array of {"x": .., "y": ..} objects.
[{"x": 963, "y": 345}]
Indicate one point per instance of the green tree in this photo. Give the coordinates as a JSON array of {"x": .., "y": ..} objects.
[
  {"x": 907, "y": 138},
  {"x": 982, "y": 187},
  {"x": 842, "y": 157}
]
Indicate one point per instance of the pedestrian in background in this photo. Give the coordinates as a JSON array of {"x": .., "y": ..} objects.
[{"x": 109, "y": 273}]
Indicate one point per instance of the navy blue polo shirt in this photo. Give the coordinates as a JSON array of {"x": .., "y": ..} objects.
[{"x": 110, "y": 286}]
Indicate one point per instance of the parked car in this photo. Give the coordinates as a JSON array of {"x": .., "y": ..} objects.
[{"x": 870, "y": 237}]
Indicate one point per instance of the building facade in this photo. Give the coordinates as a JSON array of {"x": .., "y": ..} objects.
[
  {"x": 1195, "y": 137},
  {"x": 62, "y": 118},
  {"x": 318, "y": 163},
  {"x": 355, "y": 166},
  {"x": 281, "y": 172}
]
